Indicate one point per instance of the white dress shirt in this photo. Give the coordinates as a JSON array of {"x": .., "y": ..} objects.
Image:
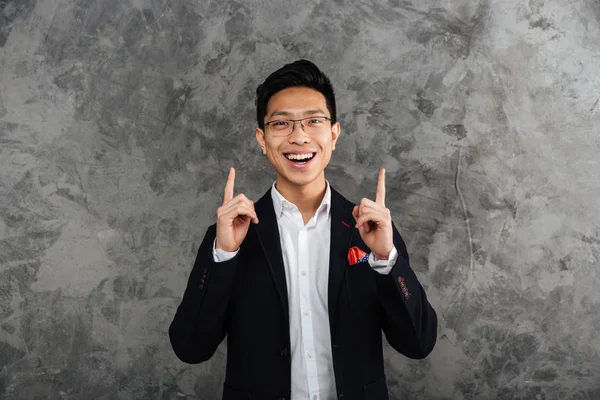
[{"x": 305, "y": 250}]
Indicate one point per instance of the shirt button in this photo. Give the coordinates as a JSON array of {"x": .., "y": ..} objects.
[
  {"x": 315, "y": 397},
  {"x": 305, "y": 312},
  {"x": 309, "y": 355},
  {"x": 303, "y": 273}
]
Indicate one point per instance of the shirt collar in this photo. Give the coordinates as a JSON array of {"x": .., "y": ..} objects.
[{"x": 279, "y": 202}]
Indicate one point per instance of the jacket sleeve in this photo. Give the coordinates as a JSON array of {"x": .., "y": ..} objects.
[
  {"x": 200, "y": 322},
  {"x": 409, "y": 321}
]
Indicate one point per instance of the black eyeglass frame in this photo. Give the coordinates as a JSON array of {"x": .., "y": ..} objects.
[{"x": 293, "y": 121}]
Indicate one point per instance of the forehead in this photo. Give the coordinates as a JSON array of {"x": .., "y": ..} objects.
[{"x": 295, "y": 100}]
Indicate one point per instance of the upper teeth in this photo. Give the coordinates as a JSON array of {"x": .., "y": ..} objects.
[{"x": 299, "y": 156}]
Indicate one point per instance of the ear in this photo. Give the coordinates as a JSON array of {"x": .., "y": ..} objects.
[
  {"x": 336, "y": 129},
  {"x": 260, "y": 138}
]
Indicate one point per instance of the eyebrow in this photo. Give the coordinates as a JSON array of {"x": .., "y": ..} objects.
[{"x": 287, "y": 113}]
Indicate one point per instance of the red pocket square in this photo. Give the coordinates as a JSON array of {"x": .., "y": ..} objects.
[{"x": 356, "y": 255}]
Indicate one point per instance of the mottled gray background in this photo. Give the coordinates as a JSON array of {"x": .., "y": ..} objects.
[{"x": 120, "y": 118}]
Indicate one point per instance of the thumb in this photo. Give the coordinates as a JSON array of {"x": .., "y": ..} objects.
[{"x": 355, "y": 212}]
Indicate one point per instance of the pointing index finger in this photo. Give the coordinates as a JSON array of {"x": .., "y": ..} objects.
[
  {"x": 380, "y": 194},
  {"x": 228, "y": 193}
]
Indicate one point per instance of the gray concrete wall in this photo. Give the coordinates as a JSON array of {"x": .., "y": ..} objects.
[{"x": 120, "y": 118}]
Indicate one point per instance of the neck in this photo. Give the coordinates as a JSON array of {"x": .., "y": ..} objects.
[{"x": 306, "y": 197}]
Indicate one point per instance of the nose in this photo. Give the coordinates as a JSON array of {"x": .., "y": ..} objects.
[
  {"x": 298, "y": 135},
  {"x": 296, "y": 123}
]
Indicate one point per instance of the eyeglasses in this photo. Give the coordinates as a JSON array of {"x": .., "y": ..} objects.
[{"x": 284, "y": 127}]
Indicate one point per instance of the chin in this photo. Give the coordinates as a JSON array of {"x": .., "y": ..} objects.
[
  {"x": 301, "y": 179},
  {"x": 295, "y": 176}
]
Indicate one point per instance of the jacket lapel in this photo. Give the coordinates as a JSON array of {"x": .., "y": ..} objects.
[
  {"x": 342, "y": 228},
  {"x": 268, "y": 236}
]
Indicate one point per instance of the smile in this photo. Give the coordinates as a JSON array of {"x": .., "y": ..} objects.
[
  {"x": 300, "y": 157},
  {"x": 300, "y": 160}
]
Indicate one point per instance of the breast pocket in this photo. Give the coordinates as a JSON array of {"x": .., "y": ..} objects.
[
  {"x": 231, "y": 393},
  {"x": 362, "y": 286},
  {"x": 376, "y": 390}
]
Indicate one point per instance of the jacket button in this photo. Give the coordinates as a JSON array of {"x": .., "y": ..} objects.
[
  {"x": 281, "y": 398},
  {"x": 284, "y": 351}
]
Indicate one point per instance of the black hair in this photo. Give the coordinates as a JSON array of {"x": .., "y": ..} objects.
[{"x": 301, "y": 73}]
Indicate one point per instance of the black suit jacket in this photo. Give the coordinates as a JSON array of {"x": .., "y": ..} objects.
[{"x": 245, "y": 299}]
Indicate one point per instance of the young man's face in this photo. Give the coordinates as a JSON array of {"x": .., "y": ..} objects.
[{"x": 296, "y": 103}]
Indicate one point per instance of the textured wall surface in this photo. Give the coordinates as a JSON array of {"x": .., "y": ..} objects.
[{"x": 120, "y": 118}]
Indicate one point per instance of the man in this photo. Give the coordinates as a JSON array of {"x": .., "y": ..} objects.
[{"x": 303, "y": 282}]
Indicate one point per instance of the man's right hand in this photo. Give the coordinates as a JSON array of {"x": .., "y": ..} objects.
[{"x": 233, "y": 217}]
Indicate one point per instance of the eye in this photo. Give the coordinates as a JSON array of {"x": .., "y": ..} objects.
[
  {"x": 281, "y": 124},
  {"x": 315, "y": 121}
]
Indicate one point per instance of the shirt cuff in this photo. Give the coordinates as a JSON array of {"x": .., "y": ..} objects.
[
  {"x": 383, "y": 266},
  {"x": 220, "y": 255}
]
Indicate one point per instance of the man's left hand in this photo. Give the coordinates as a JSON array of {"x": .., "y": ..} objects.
[{"x": 374, "y": 222}]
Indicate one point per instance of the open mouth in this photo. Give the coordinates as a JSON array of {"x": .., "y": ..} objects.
[{"x": 299, "y": 160}]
